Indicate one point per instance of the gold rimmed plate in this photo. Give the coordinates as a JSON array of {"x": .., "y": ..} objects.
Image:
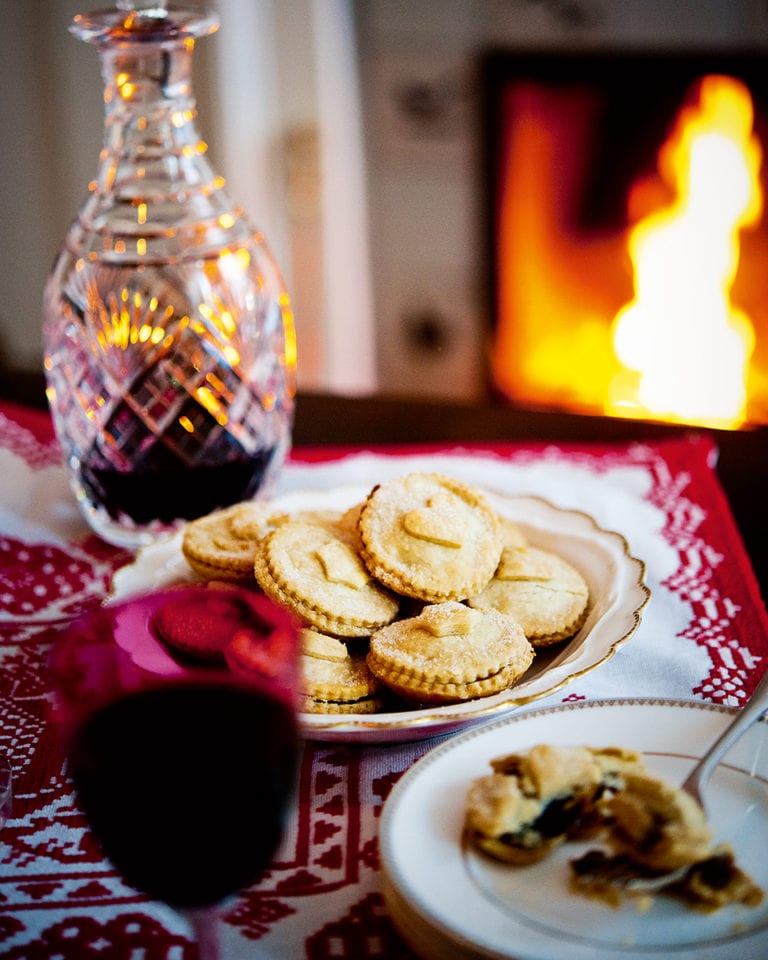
[
  {"x": 448, "y": 900},
  {"x": 618, "y": 594}
]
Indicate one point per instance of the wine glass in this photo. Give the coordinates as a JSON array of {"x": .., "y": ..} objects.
[{"x": 184, "y": 767}]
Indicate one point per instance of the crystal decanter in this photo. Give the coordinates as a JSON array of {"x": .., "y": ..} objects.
[{"x": 168, "y": 333}]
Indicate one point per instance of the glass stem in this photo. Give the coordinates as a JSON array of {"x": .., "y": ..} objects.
[{"x": 205, "y": 924}]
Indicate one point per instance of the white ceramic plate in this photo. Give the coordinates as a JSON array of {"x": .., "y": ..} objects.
[
  {"x": 451, "y": 902},
  {"x": 617, "y": 596}
]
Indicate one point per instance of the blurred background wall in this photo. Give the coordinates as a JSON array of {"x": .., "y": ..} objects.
[{"x": 349, "y": 129}]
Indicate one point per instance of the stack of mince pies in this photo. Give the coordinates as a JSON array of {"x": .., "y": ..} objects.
[{"x": 421, "y": 594}]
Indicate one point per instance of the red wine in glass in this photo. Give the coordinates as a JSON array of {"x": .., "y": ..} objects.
[{"x": 184, "y": 779}]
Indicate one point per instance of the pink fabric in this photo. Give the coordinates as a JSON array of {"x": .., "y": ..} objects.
[{"x": 321, "y": 898}]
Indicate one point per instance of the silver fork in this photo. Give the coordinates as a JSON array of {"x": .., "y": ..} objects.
[
  {"x": 697, "y": 779},
  {"x": 752, "y": 710}
]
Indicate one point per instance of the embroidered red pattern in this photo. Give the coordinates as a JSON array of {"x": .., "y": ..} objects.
[{"x": 59, "y": 898}]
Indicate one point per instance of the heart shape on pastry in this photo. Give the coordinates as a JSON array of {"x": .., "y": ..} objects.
[
  {"x": 342, "y": 565},
  {"x": 436, "y": 522}
]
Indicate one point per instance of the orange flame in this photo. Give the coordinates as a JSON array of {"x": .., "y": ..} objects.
[
  {"x": 684, "y": 347},
  {"x": 648, "y": 322}
]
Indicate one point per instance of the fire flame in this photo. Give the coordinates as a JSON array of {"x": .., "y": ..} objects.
[{"x": 684, "y": 346}]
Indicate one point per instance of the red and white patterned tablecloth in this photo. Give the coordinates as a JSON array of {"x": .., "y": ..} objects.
[{"x": 704, "y": 636}]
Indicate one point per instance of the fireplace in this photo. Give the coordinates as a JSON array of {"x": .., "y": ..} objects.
[{"x": 628, "y": 240}]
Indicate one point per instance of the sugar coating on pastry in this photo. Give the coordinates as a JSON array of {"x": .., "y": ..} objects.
[
  {"x": 315, "y": 570},
  {"x": 222, "y": 545},
  {"x": 542, "y": 591},
  {"x": 430, "y": 537},
  {"x": 449, "y": 653}
]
